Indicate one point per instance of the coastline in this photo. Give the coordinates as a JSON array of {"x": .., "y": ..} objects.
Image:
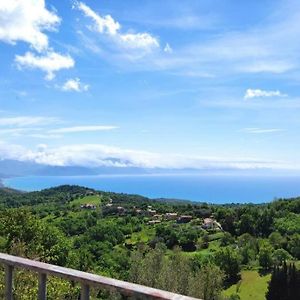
[{"x": 208, "y": 189}]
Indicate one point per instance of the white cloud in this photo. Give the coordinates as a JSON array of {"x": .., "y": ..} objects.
[
  {"x": 26, "y": 121},
  {"x": 139, "y": 40},
  {"x": 75, "y": 129},
  {"x": 267, "y": 66},
  {"x": 50, "y": 62},
  {"x": 75, "y": 85},
  {"x": 168, "y": 49},
  {"x": 12, "y": 151},
  {"x": 104, "y": 24},
  {"x": 96, "y": 155},
  {"x": 107, "y": 25},
  {"x": 255, "y": 130},
  {"x": 13, "y": 132},
  {"x": 25, "y": 20},
  {"x": 257, "y": 93},
  {"x": 44, "y": 136},
  {"x": 251, "y": 49}
]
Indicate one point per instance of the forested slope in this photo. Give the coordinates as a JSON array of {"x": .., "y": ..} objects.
[{"x": 165, "y": 244}]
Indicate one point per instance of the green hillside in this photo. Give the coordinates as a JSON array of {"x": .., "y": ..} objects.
[{"x": 206, "y": 251}]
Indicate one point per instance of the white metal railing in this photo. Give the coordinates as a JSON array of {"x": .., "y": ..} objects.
[{"x": 86, "y": 280}]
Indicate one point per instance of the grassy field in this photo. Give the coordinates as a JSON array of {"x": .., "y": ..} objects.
[
  {"x": 214, "y": 245},
  {"x": 215, "y": 236},
  {"x": 145, "y": 235},
  {"x": 251, "y": 286},
  {"x": 94, "y": 199}
]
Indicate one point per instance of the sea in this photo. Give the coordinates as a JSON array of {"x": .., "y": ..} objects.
[{"x": 219, "y": 189}]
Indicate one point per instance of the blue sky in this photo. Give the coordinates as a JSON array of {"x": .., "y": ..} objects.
[{"x": 171, "y": 84}]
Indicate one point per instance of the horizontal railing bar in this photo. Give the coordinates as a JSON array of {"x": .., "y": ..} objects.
[{"x": 125, "y": 288}]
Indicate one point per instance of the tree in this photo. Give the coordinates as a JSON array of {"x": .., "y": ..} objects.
[
  {"x": 187, "y": 239},
  {"x": 294, "y": 245},
  {"x": 204, "y": 241},
  {"x": 207, "y": 282},
  {"x": 226, "y": 239},
  {"x": 246, "y": 224},
  {"x": 284, "y": 283},
  {"x": 276, "y": 239},
  {"x": 265, "y": 256},
  {"x": 54, "y": 246},
  {"x": 227, "y": 218},
  {"x": 229, "y": 262},
  {"x": 289, "y": 224},
  {"x": 248, "y": 248},
  {"x": 21, "y": 228},
  {"x": 264, "y": 222},
  {"x": 280, "y": 256},
  {"x": 176, "y": 273},
  {"x": 168, "y": 235},
  {"x": 31, "y": 237}
]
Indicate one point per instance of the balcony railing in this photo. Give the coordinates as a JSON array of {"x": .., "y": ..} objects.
[{"x": 87, "y": 280}]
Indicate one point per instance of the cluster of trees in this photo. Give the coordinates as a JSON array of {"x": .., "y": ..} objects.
[
  {"x": 184, "y": 236},
  {"x": 24, "y": 235},
  {"x": 176, "y": 272},
  {"x": 284, "y": 284}
]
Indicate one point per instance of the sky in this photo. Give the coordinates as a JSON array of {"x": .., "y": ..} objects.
[{"x": 158, "y": 84}]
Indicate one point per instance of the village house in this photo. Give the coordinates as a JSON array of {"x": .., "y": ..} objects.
[
  {"x": 153, "y": 222},
  {"x": 138, "y": 211},
  {"x": 171, "y": 216},
  {"x": 89, "y": 193},
  {"x": 151, "y": 212},
  {"x": 157, "y": 217},
  {"x": 88, "y": 206},
  {"x": 184, "y": 219},
  {"x": 210, "y": 224}
]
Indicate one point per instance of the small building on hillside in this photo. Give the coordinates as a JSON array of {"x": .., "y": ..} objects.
[
  {"x": 157, "y": 217},
  {"x": 150, "y": 212},
  {"x": 211, "y": 223},
  {"x": 89, "y": 193},
  {"x": 153, "y": 222},
  {"x": 171, "y": 216},
  {"x": 138, "y": 211},
  {"x": 121, "y": 211},
  {"x": 88, "y": 206},
  {"x": 184, "y": 219}
]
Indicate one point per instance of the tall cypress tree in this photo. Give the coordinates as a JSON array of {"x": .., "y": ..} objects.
[
  {"x": 294, "y": 283},
  {"x": 272, "y": 292},
  {"x": 284, "y": 283}
]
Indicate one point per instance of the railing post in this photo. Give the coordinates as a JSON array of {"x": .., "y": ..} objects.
[
  {"x": 85, "y": 292},
  {"x": 9, "y": 282},
  {"x": 42, "y": 292}
]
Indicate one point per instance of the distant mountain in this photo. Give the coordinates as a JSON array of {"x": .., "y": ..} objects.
[{"x": 13, "y": 168}]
